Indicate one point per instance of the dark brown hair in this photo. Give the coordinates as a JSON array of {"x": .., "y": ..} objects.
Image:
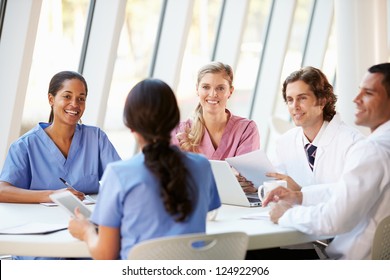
[
  {"x": 151, "y": 110},
  {"x": 384, "y": 69},
  {"x": 57, "y": 82},
  {"x": 320, "y": 86}
]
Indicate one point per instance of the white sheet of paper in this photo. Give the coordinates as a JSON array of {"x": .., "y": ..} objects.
[
  {"x": 34, "y": 228},
  {"x": 253, "y": 166},
  {"x": 263, "y": 215}
]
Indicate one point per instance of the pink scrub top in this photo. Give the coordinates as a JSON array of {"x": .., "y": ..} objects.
[{"x": 241, "y": 136}]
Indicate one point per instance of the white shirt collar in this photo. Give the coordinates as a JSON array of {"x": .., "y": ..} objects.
[
  {"x": 380, "y": 129},
  {"x": 316, "y": 140}
]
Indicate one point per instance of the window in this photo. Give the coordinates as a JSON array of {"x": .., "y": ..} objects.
[
  {"x": 294, "y": 53},
  {"x": 198, "y": 51},
  {"x": 134, "y": 55},
  {"x": 249, "y": 57},
  {"x": 58, "y": 46},
  {"x": 2, "y": 12}
]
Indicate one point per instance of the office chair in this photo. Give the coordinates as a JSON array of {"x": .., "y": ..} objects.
[
  {"x": 381, "y": 243},
  {"x": 5, "y": 257},
  {"x": 222, "y": 246}
]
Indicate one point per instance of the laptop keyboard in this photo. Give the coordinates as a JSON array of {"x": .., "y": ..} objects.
[{"x": 252, "y": 199}]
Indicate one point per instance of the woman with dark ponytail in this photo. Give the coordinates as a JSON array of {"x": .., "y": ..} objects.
[{"x": 156, "y": 193}]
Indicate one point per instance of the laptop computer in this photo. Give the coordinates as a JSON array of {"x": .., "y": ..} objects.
[{"x": 229, "y": 189}]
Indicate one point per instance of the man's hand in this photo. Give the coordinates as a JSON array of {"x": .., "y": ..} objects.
[
  {"x": 281, "y": 193},
  {"x": 278, "y": 209},
  {"x": 291, "y": 184}
]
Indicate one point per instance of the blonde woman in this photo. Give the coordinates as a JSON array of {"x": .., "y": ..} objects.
[{"x": 214, "y": 131}]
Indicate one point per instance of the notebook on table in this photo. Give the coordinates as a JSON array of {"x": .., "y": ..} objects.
[{"x": 229, "y": 189}]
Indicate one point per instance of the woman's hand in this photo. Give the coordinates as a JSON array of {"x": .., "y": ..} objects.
[
  {"x": 246, "y": 185},
  {"x": 78, "y": 194},
  {"x": 79, "y": 226},
  {"x": 103, "y": 243}
]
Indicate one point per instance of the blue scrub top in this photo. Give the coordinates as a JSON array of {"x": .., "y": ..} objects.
[
  {"x": 130, "y": 199},
  {"x": 34, "y": 162}
]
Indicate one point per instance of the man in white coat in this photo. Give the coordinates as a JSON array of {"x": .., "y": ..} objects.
[
  {"x": 351, "y": 209},
  {"x": 311, "y": 103}
]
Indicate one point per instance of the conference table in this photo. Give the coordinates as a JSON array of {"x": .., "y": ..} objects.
[{"x": 262, "y": 232}]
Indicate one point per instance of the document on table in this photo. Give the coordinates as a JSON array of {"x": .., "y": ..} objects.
[
  {"x": 33, "y": 228},
  {"x": 253, "y": 166},
  {"x": 263, "y": 215}
]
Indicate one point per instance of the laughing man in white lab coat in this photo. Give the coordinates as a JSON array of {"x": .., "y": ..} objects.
[{"x": 351, "y": 209}]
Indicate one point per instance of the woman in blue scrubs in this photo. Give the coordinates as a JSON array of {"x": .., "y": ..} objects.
[
  {"x": 161, "y": 191},
  {"x": 62, "y": 148}
]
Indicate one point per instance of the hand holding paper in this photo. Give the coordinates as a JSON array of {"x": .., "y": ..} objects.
[{"x": 253, "y": 166}]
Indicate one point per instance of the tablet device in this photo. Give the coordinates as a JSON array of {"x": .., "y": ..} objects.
[{"x": 68, "y": 201}]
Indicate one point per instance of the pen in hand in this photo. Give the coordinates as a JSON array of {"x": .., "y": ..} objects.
[
  {"x": 71, "y": 187},
  {"x": 67, "y": 184}
]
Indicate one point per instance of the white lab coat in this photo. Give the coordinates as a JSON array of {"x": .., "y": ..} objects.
[
  {"x": 332, "y": 149},
  {"x": 351, "y": 210}
]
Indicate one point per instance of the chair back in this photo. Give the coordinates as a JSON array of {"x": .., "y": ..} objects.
[
  {"x": 381, "y": 244},
  {"x": 221, "y": 246}
]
